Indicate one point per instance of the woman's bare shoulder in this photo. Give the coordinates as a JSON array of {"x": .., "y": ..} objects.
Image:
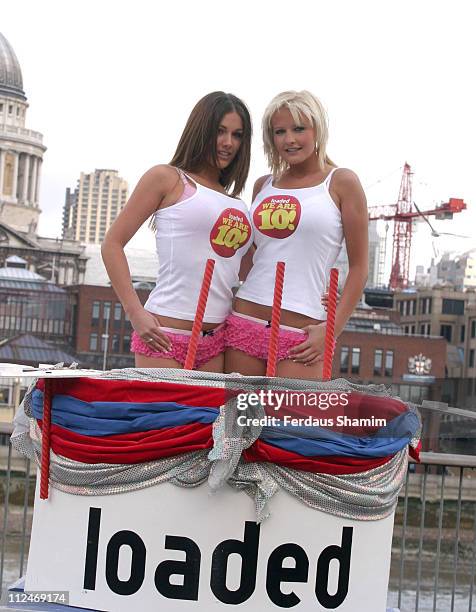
[
  {"x": 345, "y": 177},
  {"x": 164, "y": 174},
  {"x": 258, "y": 186}
]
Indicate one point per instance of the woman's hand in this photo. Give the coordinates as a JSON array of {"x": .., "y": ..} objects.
[
  {"x": 148, "y": 327},
  {"x": 311, "y": 350},
  {"x": 325, "y": 299}
]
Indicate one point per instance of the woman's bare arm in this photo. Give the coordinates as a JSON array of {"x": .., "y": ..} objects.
[
  {"x": 247, "y": 260},
  {"x": 146, "y": 198},
  {"x": 353, "y": 205},
  {"x": 355, "y": 222}
]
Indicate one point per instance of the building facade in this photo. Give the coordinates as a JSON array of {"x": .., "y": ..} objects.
[
  {"x": 445, "y": 312},
  {"x": 102, "y": 330},
  {"x": 21, "y": 155},
  {"x": 470, "y": 350},
  {"x": 31, "y": 304},
  {"x": 373, "y": 349},
  {"x": 458, "y": 270},
  {"x": 60, "y": 261},
  {"x": 376, "y": 252},
  {"x": 91, "y": 208},
  {"x": 21, "y": 149}
]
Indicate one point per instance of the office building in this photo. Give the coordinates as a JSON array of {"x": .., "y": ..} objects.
[{"x": 91, "y": 208}]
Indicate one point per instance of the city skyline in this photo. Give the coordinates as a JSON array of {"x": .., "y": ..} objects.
[{"x": 389, "y": 100}]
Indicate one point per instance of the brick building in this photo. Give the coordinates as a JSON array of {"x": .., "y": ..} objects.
[
  {"x": 102, "y": 331},
  {"x": 373, "y": 348},
  {"x": 443, "y": 311}
]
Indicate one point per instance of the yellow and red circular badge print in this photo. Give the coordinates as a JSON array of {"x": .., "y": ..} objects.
[
  {"x": 277, "y": 216},
  {"x": 231, "y": 231}
]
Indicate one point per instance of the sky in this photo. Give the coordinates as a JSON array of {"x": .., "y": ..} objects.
[{"x": 111, "y": 84}]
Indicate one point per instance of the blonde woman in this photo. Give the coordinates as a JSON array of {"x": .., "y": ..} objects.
[{"x": 301, "y": 214}]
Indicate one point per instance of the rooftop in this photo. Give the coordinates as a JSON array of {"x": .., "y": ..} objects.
[
  {"x": 20, "y": 278},
  {"x": 30, "y": 350},
  {"x": 11, "y": 80}
]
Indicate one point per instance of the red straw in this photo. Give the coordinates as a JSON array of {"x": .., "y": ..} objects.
[
  {"x": 275, "y": 318},
  {"x": 197, "y": 323},
  {"x": 45, "y": 438},
  {"x": 330, "y": 326}
]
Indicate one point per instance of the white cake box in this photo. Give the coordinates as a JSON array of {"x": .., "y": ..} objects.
[{"x": 178, "y": 549}]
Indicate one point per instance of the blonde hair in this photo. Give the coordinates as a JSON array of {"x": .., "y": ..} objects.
[{"x": 300, "y": 104}]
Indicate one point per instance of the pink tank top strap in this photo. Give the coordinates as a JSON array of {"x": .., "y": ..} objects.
[{"x": 189, "y": 187}]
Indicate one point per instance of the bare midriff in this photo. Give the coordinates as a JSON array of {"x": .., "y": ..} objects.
[
  {"x": 181, "y": 323},
  {"x": 260, "y": 311}
]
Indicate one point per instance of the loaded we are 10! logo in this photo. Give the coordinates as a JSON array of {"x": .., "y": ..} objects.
[
  {"x": 231, "y": 231},
  {"x": 277, "y": 216}
]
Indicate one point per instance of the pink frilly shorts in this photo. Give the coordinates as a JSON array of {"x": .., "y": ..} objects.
[
  {"x": 251, "y": 335},
  {"x": 210, "y": 344}
]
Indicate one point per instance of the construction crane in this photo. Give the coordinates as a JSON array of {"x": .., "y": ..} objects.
[{"x": 403, "y": 213}]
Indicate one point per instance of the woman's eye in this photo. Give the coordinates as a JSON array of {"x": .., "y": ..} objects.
[
  {"x": 278, "y": 132},
  {"x": 238, "y": 135},
  {"x": 299, "y": 128}
]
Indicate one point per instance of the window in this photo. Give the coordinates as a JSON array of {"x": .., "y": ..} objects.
[
  {"x": 115, "y": 343},
  {"x": 389, "y": 363},
  {"x": 95, "y": 314},
  {"x": 117, "y": 315},
  {"x": 344, "y": 359},
  {"x": 378, "y": 362},
  {"x": 126, "y": 344},
  {"x": 462, "y": 332},
  {"x": 413, "y": 330},
  {"x": 106, "y": 312},
  {"x": 93, "y": 342},
  {"x": 404, "y": 393},
  {"x": 4, "y": 395},
  {"x": 453, "y": 307},
  {"x": 418, "y": 393},
  {"x": 410, "y": 307},
  {"x": 446, "y": 332},
  {"x": 473, "y": 328},
  {"x": 426, "y": 304},
  {"x": 355, "y": 361},
  {"x": 471, "y": 358}
]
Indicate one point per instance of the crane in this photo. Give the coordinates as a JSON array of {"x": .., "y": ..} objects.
[{"x": 403, "y": 213}]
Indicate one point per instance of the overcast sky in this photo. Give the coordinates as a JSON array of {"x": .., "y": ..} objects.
[{"x": 110, "y": 85}]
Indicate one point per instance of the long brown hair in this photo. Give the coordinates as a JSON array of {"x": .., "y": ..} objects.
[{"x": 198, "y": 143}]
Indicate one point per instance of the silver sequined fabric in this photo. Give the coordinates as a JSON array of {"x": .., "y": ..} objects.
[{"x": 369, "y": 495}]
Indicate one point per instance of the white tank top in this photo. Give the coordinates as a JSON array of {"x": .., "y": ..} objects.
[
  {"x": 303, "y": 228},
  {"x": 206, "y": 225}
]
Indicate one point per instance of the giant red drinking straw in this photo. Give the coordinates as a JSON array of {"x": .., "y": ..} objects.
[
  {"x": 197, "y": 323},
  {"x": 275, "y": 318},
  {"x": 45, "y": 438},
  {"x": 330, "y": 325}
]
